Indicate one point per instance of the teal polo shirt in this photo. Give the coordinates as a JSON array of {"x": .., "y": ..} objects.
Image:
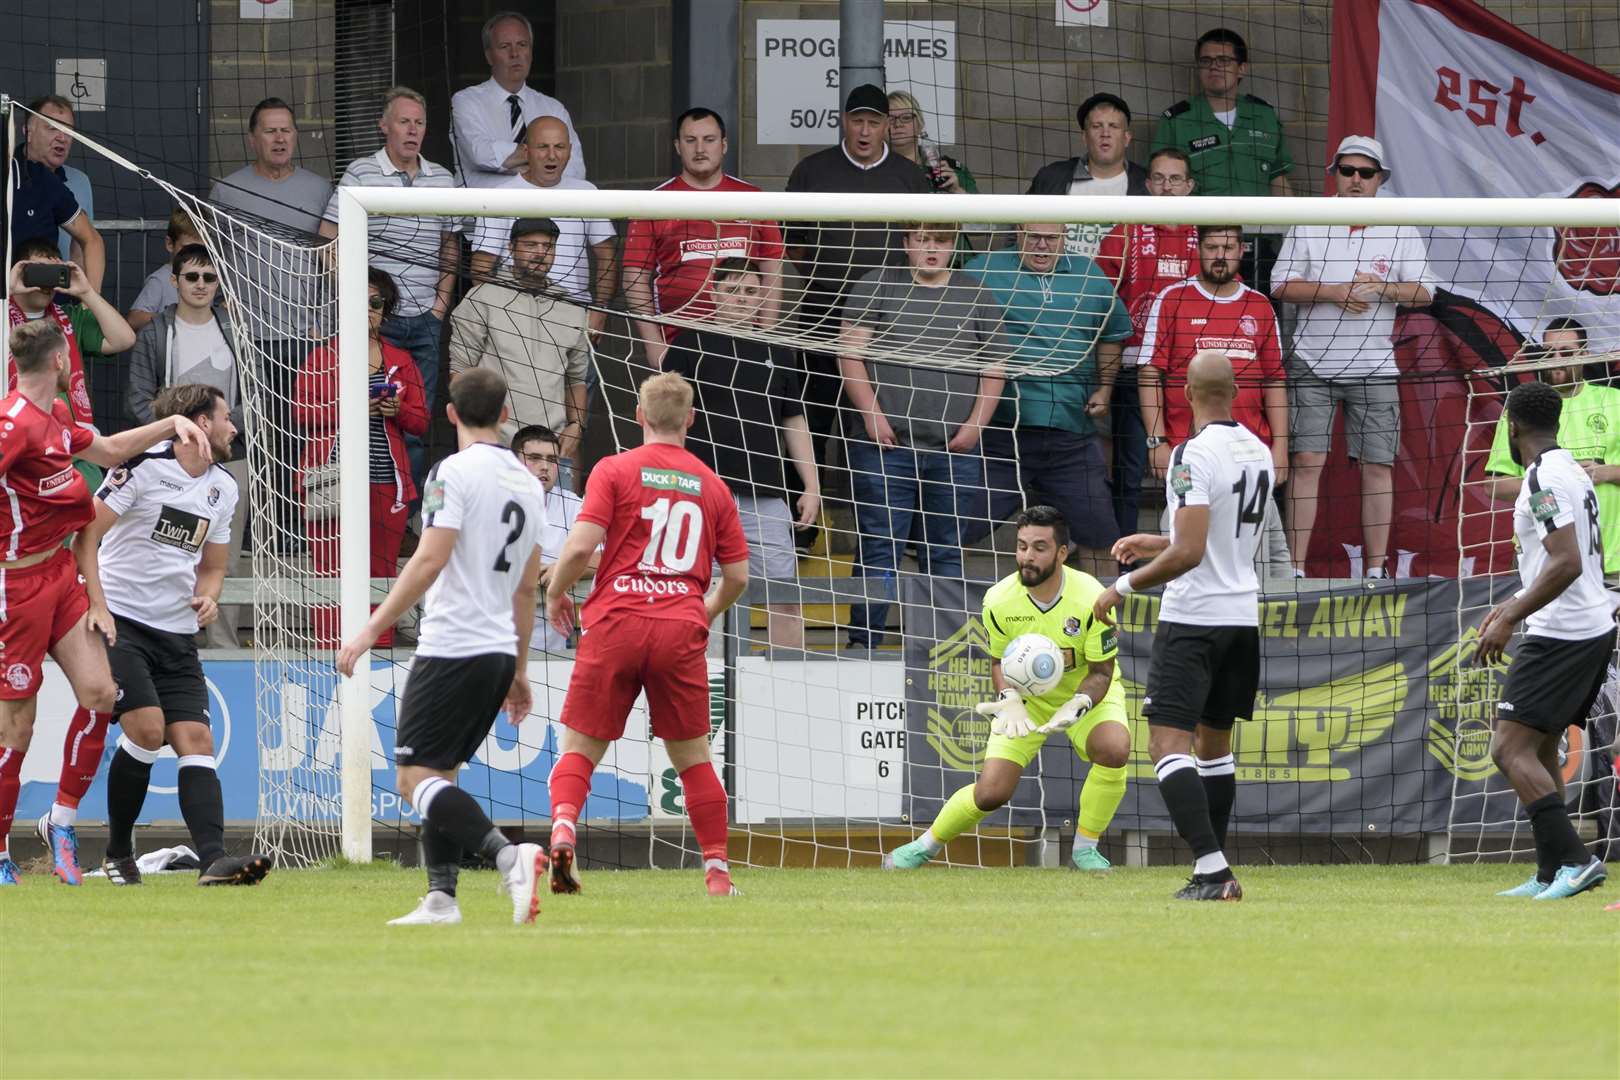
[{"x": 1052, "y": 321}]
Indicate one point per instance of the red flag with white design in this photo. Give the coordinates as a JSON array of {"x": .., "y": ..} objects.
[{"x": 1466, "y": 104}]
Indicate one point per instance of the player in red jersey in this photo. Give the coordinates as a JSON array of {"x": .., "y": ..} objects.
[
  {"x": 43, "y": 606},
  {"x": 1214, "y": 310},
  {"x": 663, "y": 519},
  {"x": 668, "y": 264}
]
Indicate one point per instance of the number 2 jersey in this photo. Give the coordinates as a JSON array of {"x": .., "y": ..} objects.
[
  {"x": 669, "y": 519},
  {"x": 496, "y": 506},
  {"x": 1228, "y": 469},
  {"x": 1557, "y": 494}
]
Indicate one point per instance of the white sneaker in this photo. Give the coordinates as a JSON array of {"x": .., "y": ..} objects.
[
  {"x": 522, "y": 882},
  {"x": 435, "y": 908}
]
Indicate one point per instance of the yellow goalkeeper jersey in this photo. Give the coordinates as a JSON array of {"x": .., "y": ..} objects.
[{"x": 1010, "y": 611}]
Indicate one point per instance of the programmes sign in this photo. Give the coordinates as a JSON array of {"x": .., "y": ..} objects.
[{"x": 799, "y": 98}]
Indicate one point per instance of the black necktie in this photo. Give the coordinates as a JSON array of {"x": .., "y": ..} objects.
[{"x": 515, "y": 111}]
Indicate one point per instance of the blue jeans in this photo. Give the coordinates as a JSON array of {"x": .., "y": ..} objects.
[
  {"x": 418, "y": 335},
  {"x": 890, "y": 487},
  {"x": 1130, "y": 451}
]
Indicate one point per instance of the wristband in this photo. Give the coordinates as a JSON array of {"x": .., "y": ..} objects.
[{"x": 1122, "y": 585}]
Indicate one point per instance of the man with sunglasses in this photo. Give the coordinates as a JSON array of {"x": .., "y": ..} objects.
[
  {"x": 190, "y": 341},
  {"x": 1348, "y": 281}
]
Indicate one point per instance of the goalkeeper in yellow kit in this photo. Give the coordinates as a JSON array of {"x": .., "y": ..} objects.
[{"x": 1088, "y": 705}]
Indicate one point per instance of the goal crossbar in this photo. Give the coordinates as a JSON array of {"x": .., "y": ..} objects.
[{"x": 991, "y": 209}]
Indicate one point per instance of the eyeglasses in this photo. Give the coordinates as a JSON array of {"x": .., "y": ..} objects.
[
  {"x": 1366, "y": 172},
  {"x": 1168, "y": 181},
  {"x": 1208, "y": 62},
  {"x": 1043, "y": 240},
  {"x": 903, "y": 118},
  {"x": 539, "y": 459},
  {"x": 203, "y": 276},
  {"x": 376, "y": 303}
]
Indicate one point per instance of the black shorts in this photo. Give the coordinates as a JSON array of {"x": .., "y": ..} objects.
[
  {"x": 1552, "y": 683},
  {"x": 158, "y": 669},
  {"x": 448, "y": 707},
  {"x": 1202, "y": 675}
]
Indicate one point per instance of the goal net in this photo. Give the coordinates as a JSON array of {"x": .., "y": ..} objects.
[
  {"x": 1486, "y": 820},
  {"x": 843, "y": 686}
]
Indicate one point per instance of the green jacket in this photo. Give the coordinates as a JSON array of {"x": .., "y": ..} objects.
[{"x": 1241, "y": 160}]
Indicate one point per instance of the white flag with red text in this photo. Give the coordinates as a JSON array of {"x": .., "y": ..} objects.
[{"x": 1466, "y": 104}]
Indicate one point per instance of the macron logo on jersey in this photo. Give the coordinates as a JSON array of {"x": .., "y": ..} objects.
[{"x": 671, "y": 480}]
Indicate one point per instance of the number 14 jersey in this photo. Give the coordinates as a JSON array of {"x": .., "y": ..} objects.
[
  {"x": 669, "y": 519},
  {"x": 496, "y": 508},
  {"x": 1228, "y": 469}
]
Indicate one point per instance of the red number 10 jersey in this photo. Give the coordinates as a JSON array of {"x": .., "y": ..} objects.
[{"x": 669, "y": 519}]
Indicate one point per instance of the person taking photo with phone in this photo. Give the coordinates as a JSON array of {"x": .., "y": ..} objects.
[
  {"x": 44, "y": 286},
  {"x": 398, "y": 408}
]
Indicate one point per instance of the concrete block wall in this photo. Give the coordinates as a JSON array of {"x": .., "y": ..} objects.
[
  {"x": 1020, "y": 76},
  {"x": 252, "y": 59},
  {"x": 614, "y": 73}
]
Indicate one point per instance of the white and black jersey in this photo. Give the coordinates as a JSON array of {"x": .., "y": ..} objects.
[
  {"x": 1557, "y": 494},
  {"x": 149, "y": 557},
  {"x": 1228, "y": 469},
  {"x": 497, "y": 508}
]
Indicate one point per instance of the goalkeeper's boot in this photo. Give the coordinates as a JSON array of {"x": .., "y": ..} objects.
[
  {"x": 1532, "y": 887},
  {"x": 62, "y": 841},
  {"x": 1089, "y": 858},
  {"x": 1575, "y": 879},
  {"x": 235, "y": 870},
  {"x": 1199, "y": 887},
  {"x": 436, "y": 909},
  {"x": 122, "y": 870},
  {"x": 9, "y": 874},
  {"x": 522, "y": 882},
  {"x": 907, "y": 856}
]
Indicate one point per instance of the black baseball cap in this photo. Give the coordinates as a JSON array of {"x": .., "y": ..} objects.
[
  {"x": 867, "y": 98},
  {"x": 529, "y": 226}
]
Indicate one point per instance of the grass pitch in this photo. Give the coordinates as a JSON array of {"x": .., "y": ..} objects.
[{"x": 1342, "y": 971}]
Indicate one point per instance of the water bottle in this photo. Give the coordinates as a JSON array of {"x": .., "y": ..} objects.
[{"x": 933, "y": 161}]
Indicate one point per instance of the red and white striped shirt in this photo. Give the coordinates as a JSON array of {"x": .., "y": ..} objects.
[{"x": 1143, "y": 261}]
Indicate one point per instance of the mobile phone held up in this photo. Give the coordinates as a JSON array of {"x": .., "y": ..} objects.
[
  {"x": 385, "y": 391},
  {"x": 46, "y": 275}
]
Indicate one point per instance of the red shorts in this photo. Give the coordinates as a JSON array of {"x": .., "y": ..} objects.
[
  {"x": 38, "y": 606},
  {"x": 623, "y": 655}
]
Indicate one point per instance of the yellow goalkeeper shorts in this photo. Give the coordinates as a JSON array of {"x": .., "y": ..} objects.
[{"x": 1023, "y": 750}]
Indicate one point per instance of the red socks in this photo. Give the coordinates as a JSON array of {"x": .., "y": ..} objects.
[
  {"x": 706, "y": 807},
  {"x": 81, "y": 755},
  {"x": 569, "y": 787},
  {"x": 10, "y": 785}
]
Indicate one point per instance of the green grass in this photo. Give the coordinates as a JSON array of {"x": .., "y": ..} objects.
[{"x": 1343, "y": 971}]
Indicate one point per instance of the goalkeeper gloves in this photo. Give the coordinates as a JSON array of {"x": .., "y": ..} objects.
[
  {"x": 1007, "y": 715},
  {"x": 1067, "y": 714}
]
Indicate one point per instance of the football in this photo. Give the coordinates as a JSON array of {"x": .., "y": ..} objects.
[{"x": 1032, "y": 664}]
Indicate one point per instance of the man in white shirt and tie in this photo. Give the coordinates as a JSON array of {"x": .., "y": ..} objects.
[{"x": 490, "y": 119}]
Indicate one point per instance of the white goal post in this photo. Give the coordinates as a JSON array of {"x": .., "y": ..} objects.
[{"x": 357, "y": 204}]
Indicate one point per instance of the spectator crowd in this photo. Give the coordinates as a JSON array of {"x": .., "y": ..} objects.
[{"x": 937, "y": 377}]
